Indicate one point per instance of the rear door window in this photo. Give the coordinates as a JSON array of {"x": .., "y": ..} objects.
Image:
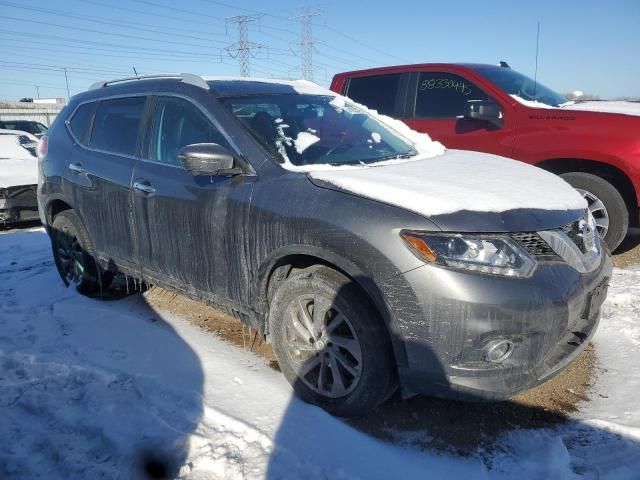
[
  {"x": 116, "y": 125},
  {"x": 378, "y": 92},
  {"x": 444, "y": 95},
  {"x": 80, "y": 122},
  {"x": 176, "y": 124}
]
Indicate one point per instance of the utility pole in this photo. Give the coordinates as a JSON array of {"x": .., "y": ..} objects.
[
  {"x": 66, "y": 79},
  {"x": 37, "y": 90},
  {"x": 306, "y": 42},
  {"x": 243, "y": 47}
]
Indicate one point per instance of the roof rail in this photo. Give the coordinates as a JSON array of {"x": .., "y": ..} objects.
[{"x": 190, "y": 78}]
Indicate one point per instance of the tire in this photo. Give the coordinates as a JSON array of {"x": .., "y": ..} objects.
[
  {"x": 74, "y": 258},
  {"x": 355, "y": 343},
  {"x": 595, "y": 188}
]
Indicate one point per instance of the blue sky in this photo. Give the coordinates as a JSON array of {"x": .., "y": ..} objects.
[{"x": 587, "y": 45}]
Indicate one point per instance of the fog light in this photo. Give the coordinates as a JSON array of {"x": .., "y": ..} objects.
[{"x": 499, "y": 351}]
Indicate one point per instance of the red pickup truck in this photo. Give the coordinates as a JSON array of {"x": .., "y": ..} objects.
[{"x": 595, "y": 146}]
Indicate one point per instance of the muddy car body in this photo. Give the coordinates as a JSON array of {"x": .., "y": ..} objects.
[{"x": 361, "y": 287}]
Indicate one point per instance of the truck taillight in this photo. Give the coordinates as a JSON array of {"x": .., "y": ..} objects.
[{"x": 43, "y": 147}]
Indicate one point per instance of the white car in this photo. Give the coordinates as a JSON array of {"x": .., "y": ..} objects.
[
  {"x": 27, "y": 140},
  {"x": 18, "y": 177}
]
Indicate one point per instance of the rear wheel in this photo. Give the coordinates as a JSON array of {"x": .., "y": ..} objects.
[
  {"x": 73, "y": 255},
  {"x": 605, "y": 203},
  {"x": 331, "y": 343}
]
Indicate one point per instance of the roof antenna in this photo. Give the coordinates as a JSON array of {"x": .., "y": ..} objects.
[
  {"x": 535, "y": 75},
  {"x": 135, "y": 71},
  {"x": 504, "y": 64}
]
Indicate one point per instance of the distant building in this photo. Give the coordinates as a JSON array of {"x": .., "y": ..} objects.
[
  {"x": 43, "y": 110},
  {"x": 54, "y": 101}
]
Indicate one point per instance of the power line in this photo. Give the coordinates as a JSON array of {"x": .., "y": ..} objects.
[
  {"x": 359, "y": 42},
  {"x": 46, "y": 67},
  {"x": 243, "y": 47},
  {"x": 22, "y": 84},
  {"x": 74, "y": 41},
  {"x": 306, "y": 42},
  {"x": 118, "y": 23},
  {"x": 40, "y": 53},
  {"x": 147, "y": 13},
  {"x": 121, "y": 35}
]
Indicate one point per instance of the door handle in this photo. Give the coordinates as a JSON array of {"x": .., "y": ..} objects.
[
  {"x": 144, "y": 187},
  {"x": 76, "y": 168}
]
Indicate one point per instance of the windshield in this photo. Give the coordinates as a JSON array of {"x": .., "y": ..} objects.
[
  {"x": 520, "y": 85},
  {"x": 317, "y": 129}
]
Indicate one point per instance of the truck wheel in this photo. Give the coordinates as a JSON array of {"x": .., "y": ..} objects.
[
  {"x": 605, "y": 203},
  {"x": 331, "y": 344},
  {"x": 73, "y": 255}
]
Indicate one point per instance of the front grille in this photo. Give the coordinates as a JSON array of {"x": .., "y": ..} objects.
[
  {"x": 535, "y": 245},
  {"x": 574, "y": 232}
]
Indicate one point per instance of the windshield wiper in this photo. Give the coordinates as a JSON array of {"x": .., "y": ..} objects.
[{"x": 401, "y": 156}]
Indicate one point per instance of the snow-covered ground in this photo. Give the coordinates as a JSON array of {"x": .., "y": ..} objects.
[{"x": 94, "y": 389}]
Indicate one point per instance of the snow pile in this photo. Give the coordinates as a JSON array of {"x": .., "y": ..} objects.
[
  {"x": 458, "y": 180},
  {"x": 619, "y": 107},
  {"x": 94, "y": 389},
  {"x": 426, "y": 147},
  {"x": 534, "y": 103},
  {"x": 300, "y": 86},
  {"x": 618, "y": 341},
  {"x": 622, "y": 107},
  {"x": 304, "y": 140}
]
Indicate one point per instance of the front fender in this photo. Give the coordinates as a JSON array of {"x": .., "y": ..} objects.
[{"x": 371, "y": 289}]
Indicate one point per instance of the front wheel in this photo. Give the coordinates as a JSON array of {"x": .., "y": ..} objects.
[
  {"x": 73, "y": 255},
  {"x": 331, "y": 343},
  {"x": 605, "y": 203}
]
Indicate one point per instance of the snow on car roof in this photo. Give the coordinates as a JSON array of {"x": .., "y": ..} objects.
[{"x": 227, "y": 86}]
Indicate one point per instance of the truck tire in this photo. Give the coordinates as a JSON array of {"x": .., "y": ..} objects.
[
  {"x": 605, "y": 203},
  {"x": 331, "y": 344},
  {"x": 74, "y": 257}
]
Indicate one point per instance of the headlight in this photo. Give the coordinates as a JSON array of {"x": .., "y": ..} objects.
[{"x": 492, "y": 254}]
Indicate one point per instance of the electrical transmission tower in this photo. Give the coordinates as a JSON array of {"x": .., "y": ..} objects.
[
  {"x": 306, "y": 42},
  {"x": 242, "y": 49}
]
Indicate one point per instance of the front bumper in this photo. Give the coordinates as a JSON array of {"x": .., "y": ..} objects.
[
  {"x": 18, "y": 204},
  {"x": 446, "y": 320}
]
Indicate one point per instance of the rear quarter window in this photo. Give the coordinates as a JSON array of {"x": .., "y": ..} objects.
[
  {"x": 116, "y": 125},
  {"x": 80, "y": 122},
  {"x": 377, "y": 92}
]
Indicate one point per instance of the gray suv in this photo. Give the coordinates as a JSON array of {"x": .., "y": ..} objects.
[{"x": 371, "y": 257}]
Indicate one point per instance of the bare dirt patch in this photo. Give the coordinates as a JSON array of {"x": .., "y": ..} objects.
[
  {"x": 465, "y": 427},
  {"x": 457, "y": 427},
  {"x": 628, "y": 253},
  {"x": 212, "y": 320}
]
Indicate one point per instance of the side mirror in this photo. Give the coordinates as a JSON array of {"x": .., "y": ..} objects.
[
  {"x": 488, "y": 111},
  {"x": 207, "y": 159}
]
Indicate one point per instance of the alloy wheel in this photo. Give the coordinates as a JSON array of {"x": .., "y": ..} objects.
[
  {"x": 322, "y": 344},
  {"x": 598, "y": 210},
  {"x": 71, "y": 256}
]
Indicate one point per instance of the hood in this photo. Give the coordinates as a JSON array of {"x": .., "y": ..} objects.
[
  {"x": 486, "y": 187},
  {"x": 620, "y": 107},
  {"x": 18, "y": 171}
]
